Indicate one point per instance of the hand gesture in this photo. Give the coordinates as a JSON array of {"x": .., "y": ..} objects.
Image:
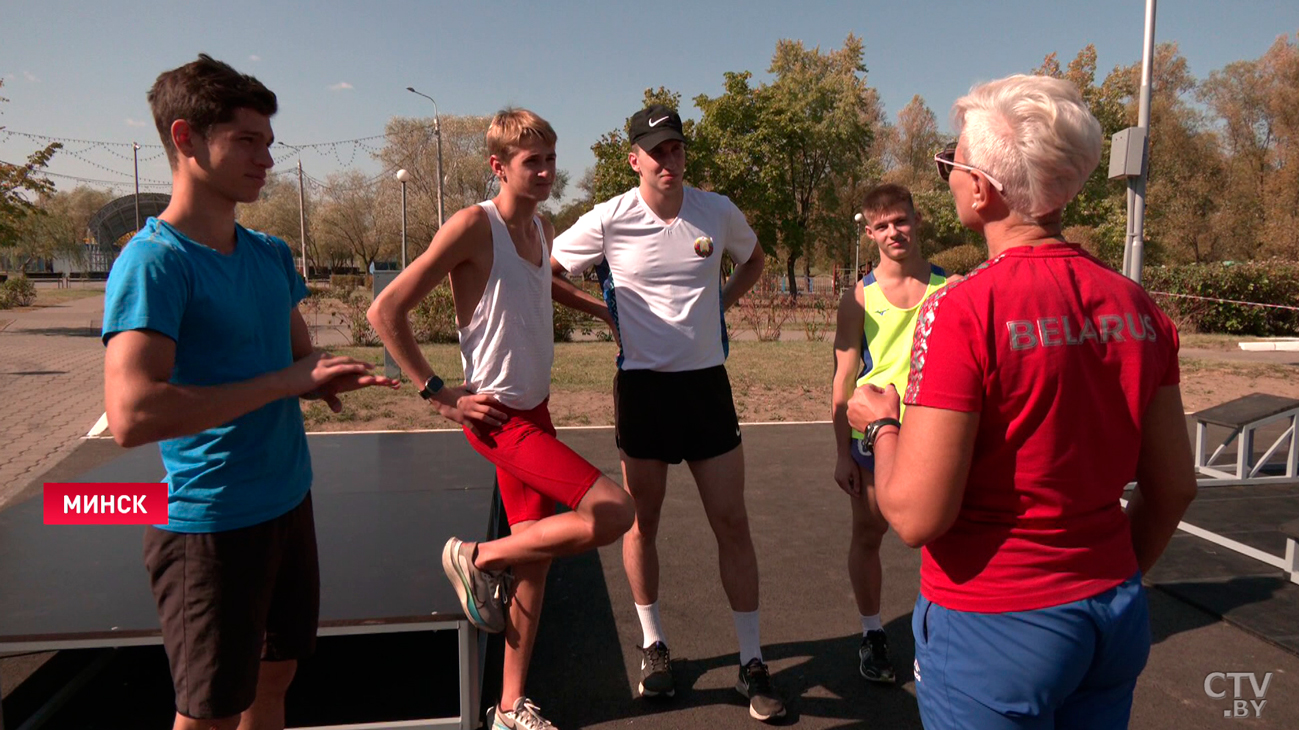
[
  {"x": 330, "y": 391},
  {"x": 477, "y": 411},
  {"x": 847, "y": 474},
  {"x": 871, "y": 403},
  {"x": 318, "y": 368}
]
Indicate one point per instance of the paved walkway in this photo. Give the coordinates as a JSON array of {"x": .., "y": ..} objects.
[
  {"x": 51, "y": 387},
  {"x": 51, "y": 381}
]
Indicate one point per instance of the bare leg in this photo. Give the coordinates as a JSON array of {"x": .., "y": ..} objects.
[
  {"x": 601, "y": 517},
  {"x": 721, "y": 487},
  {"x": 647, "y": 481},
  {"x": 521, "y": 630},
  {"x": 868, "y": 528}
]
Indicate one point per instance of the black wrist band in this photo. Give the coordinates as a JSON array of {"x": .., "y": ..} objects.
[{"x": 873, "y": 430}]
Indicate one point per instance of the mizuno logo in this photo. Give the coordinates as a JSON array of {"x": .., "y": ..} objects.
[
  {"x": 881, "y": 312},
  {"x": 656, "y": 122}
]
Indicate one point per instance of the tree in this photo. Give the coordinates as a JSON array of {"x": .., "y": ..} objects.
[
  {"x": 1256, "y": 102},
  {"x": 411, "y": 145},
  {"x": 16, "y": 183},
  {"x": 910, "y": 144},
  {"x": 780, "y": 149},
  {"x": 355, "y": 212},
  {"x": 60, "y": 226},
  {"x": 1183, "y": 193}
]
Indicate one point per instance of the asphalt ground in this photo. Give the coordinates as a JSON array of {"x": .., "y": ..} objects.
[{"x": 586, "y": 665}]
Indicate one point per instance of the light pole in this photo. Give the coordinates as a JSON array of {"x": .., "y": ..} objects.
[
  {"x": 856, "y": 247},
  {"x": 437, "y": 132},
  {"x": 135, "y": 157},
  {"x": 402, "y": 177}
]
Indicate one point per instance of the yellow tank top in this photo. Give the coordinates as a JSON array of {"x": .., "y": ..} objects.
[{"x": 887, "y": 334}]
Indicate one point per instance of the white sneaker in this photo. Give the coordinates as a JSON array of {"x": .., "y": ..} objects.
[{"x": 524, "y": 716}]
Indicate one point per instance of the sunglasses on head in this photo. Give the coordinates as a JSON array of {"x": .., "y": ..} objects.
[{"x": 945, "y": 161}]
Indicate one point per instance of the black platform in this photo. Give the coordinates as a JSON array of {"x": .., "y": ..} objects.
[
  {"x": 1246, "y": 410},
  {"x": 384, "y": 506}
]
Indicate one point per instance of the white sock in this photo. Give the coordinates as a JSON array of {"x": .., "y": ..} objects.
[
  {"x": 871, "y": 623},
  {"x": 746, "y": 628},
  {"x": 651, "y": 624}
]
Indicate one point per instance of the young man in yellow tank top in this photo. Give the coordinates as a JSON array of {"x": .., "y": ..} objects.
[
  {"x": 872, "y": 344},
  {"x": 496, "y": 255}
]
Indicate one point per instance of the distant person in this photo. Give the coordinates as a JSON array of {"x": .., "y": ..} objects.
[
  {"x": 658, "y": 251},
  {"x": 872, "y": 344},
  {"x": 1040, "y": 386},
  {"x": 497, "y": 254},
  {"x": 208, "y": 355}
]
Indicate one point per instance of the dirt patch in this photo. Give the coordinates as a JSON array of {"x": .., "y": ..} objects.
[
  {"x": 1206, "y": 384},
  {"x": 771, "y": 382}
]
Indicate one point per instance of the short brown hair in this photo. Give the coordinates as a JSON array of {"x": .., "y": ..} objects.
[
  {"x": 204, "y": 93},
  {"x": 887, "y": 197},
  {"x": 510, "y": 126}
]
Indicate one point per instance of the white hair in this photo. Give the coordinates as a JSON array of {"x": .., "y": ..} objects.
[{"x": 1035, "y": 135}]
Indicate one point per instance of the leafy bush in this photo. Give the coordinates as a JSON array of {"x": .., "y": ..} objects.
[
  {"x": 17, "y": 292},
  {"x": 961, "y": 259},
  {"x": 343, "y": 282},
  {"x": 765, "y": 308},
  {"x": 1263, "y": 282},
  {"x": 434, "y": 318}
]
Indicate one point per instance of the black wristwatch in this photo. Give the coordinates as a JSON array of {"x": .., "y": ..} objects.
[
  {"x": 431, "y": 388},
  {"x": 873, "y": 430}
]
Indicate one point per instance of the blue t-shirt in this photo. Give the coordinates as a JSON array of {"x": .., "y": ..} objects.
[{"x": 230, "y": 318}]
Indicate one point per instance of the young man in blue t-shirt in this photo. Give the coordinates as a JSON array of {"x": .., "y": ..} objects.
[{"x": 208, "y": 355}]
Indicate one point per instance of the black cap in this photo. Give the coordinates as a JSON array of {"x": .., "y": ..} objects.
[{"x": 655, "y": 125}]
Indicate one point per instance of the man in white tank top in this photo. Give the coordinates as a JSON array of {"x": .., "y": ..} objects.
[
  {"x": 658, "y": 249},
  {"x": 497, "y": 256}
]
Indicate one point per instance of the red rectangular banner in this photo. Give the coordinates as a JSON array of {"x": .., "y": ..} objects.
[{"x": 111, "y": 503}]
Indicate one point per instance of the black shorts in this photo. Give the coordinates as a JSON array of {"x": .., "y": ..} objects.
[
  {"x": 228, "y": 600},
  {"x": 672, "y": 417}
]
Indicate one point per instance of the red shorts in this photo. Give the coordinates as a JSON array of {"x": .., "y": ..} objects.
[{"x": 533, "y": 469}]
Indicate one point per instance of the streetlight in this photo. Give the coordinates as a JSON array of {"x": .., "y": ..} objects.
[
  {"x": 402, "y": 177},
  {"x": 856, "y": 246},
  {"x": 437, "y": 132}
]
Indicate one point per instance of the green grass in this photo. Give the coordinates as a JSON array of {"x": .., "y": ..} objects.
[
  {"x": 793, "y": 367},
  {"x": 591, "y": 365},
  {"x": 49, "y": 297}
]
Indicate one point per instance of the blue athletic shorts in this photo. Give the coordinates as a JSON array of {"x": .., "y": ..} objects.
[
  {"x": 1068, "y": 666},
  {"x": 864, "y": 459}
]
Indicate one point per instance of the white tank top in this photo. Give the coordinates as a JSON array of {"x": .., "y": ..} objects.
[{"x": 509, "y": 345}]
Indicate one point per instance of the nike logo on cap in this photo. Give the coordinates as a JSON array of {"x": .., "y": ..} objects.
[{"x": 656, "y": 122}]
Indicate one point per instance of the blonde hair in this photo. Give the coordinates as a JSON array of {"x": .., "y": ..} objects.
[
  {"x": 1035, "y": 135},
  {"x": 510, "y": 126}
]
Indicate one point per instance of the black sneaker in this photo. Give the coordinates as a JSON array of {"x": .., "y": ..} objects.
[
  {"x": 755, "y": 685},
  {"x": 874, "y": 654},
  {"x": 656, "y": 671}
]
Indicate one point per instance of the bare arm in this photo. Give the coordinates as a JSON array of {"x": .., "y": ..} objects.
[
  {"x": 847, "y": 361},
  {"x": 452, "y": 246},
  {"x": 1165, "y": 477},
  {"x": 743, "y": 278},
  {"x": 566, "y": 293},
  {"x": 455, "y": 244},
  {"x": 143, "y": 406},
  {"x": 920, "y": 473}
]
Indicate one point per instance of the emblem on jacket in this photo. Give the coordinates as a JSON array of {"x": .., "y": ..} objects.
[{"x": 704, "y": 246}]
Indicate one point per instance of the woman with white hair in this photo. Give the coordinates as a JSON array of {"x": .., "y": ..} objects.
[{"x": 1040, "y": 385}]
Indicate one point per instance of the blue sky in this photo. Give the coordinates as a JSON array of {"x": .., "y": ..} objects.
[{"x": 81, "y": 69}]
